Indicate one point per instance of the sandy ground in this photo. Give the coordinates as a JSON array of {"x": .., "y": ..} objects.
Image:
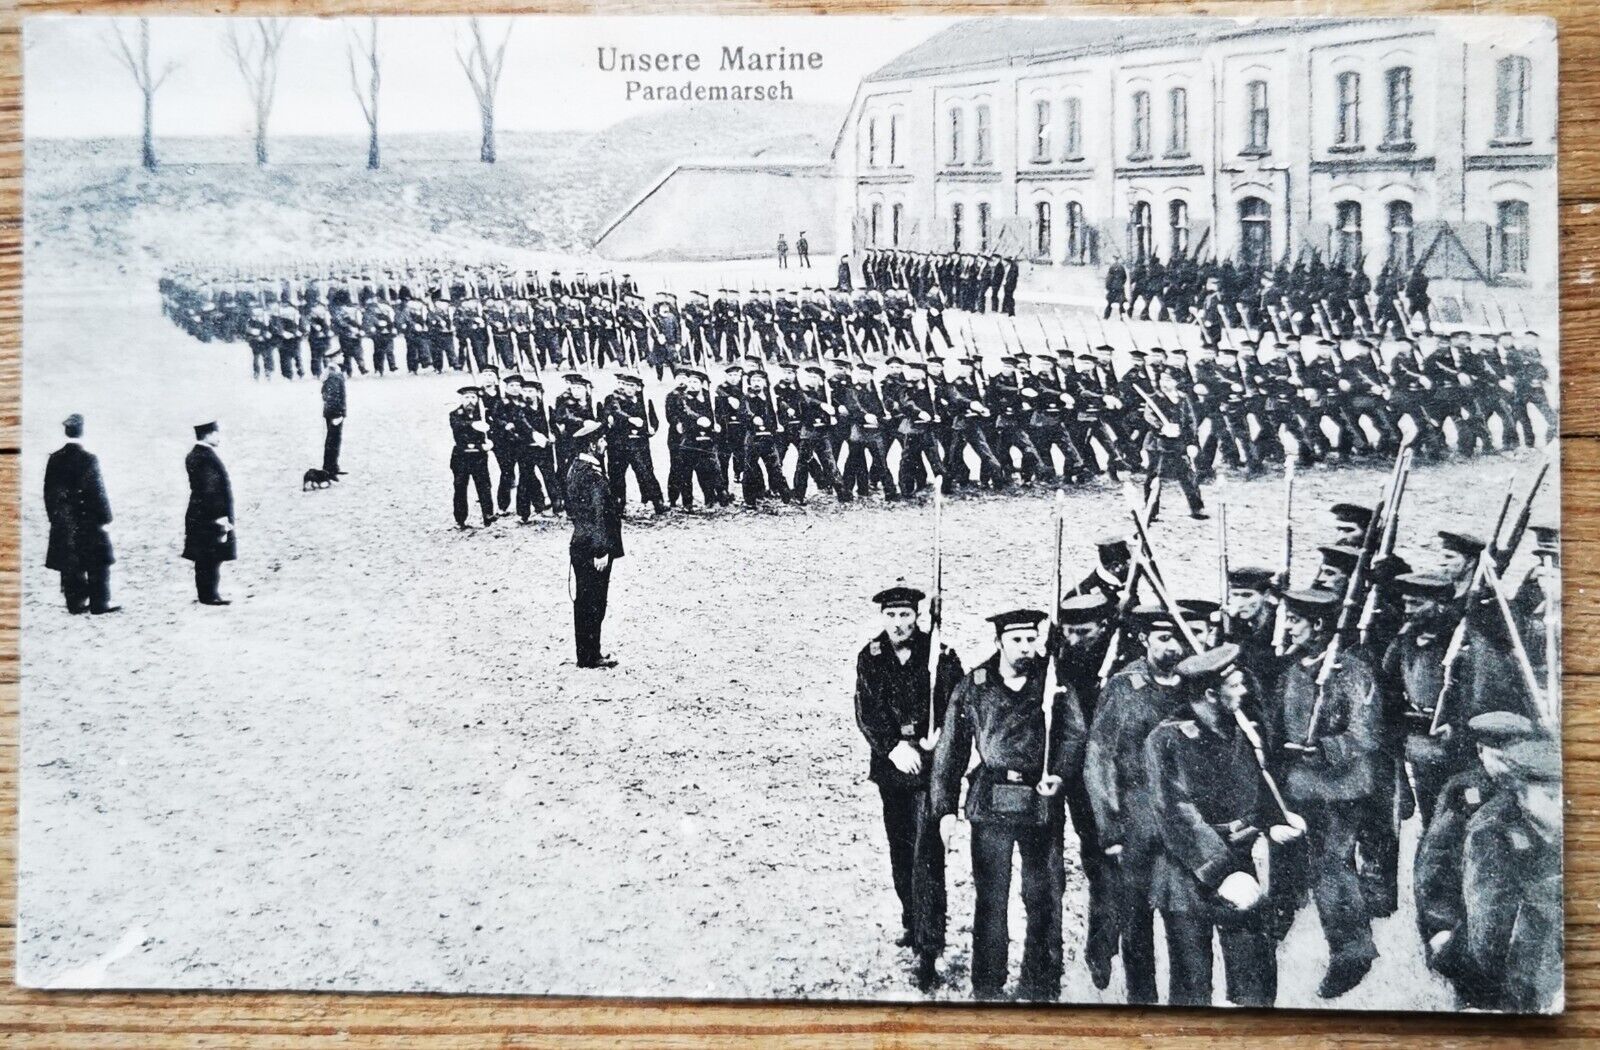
[{"x": 380, "y": 769}]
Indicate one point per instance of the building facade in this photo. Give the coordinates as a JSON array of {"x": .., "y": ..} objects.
[{"x": 1074, "y": 142}]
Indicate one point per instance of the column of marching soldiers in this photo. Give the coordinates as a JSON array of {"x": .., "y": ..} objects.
[
  {"x": 1223, "y": 762},
  {"x": 863, "y": 401}
]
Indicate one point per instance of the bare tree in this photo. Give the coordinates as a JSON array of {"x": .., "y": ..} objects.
[
  {"x": 368, "y": 96},
  {"x": 483, "y": 70},
  {"x": 255, "y": 53},
  {"x": 135, "y": 57}
]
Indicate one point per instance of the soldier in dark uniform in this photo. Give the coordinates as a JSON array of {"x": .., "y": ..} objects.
[
  {"x": 894, "y": 673},
  {"x": 918, "y": 412},
  {"x": 1012, "y": 412},
  {"x": 817, "y": 459},
  {"x": 628, "y": 419},
  {"x": 867, "y": 462},
  {"x": 333, "y": 414},
  {"x": 208, "y": 536},
  {"x": 469, "y": 455},
  {"x": 1167, "y": 444},
  {"x": 696, "y": 430},
  {"x": 1214, "y": 821},
  {"x": 1512, "y": 881},
  {"x": 1081, "y": 653},
  {"x": 377, "y": 318},
  {"x": 763, "y": 473},
  {"x": 968, "y": 412},
  {"x": 1135, "y": 700},
  {"x": 1329, "y": 725},
  {"x": 729, "y": 401},
  {"x": 75, "y": 502},
  {"x": 1116, "y": 290},
  {"x": 1013, "y": 800},
  {"x": 572, "y": 408},
  {"x": 1441, "y": 904},
  {"x": 538, "y": 483},
  {"x": 596, "y": 542}
]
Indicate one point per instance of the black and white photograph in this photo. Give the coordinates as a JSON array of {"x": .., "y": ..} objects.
[{"x": 810, "y": 507}]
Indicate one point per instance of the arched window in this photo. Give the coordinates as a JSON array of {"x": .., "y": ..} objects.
[
  {"x": 1257, "y": 130},
  {"x": 956, "y": 217},
  {"x": 1140, "y": 233},
  {"x": 1347, "y": 234},
  {"x": 983, "y": 227},
  {"x": 1041, "y": 228},
  {"x": 1348, "y": 131},
  {"x": 1397, "y": 128},
  {"x": 1513, "y": 80},
  {"x": 875, "y": 223},
  {"x": 1041, "y": 130},
  {"x": 1178, "y": 222},
  {"x": 1072, "y": 149},
  {"x": 894, "y": 139},
  {"x": 1077, "y": 234},
  {"x": 955, "y": 135},
  {"x": 1511, "y": 237},
  {"x": 897, "y": 215},
  {"x": 1178, "y": 122},
  {"x": 872, "y": 142},
  {"x": 1255, "y": 232},
  {"x": 981, "y": 153},
  {"x": 1140, "y": 146},
  {"x": 1402, "y": 249}
]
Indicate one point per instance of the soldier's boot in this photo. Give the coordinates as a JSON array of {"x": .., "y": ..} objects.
[
  {"x": 1347, "y": 968},
  {"x": 924, "y": 974}
]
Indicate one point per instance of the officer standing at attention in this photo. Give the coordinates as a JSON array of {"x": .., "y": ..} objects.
[
  {"x": 333, "y": 410},
  {"x": 893, "y": 710},
  {"x": 76, "y": 504},
  {"x": 469, "y": 458},
  {"x": 208, "y": 537},
  {"x": 1014, "y": 802},
  {"x": 596, "y": 541}
]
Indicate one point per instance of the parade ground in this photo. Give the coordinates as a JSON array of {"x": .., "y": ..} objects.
[{"x": 391, "y": 774}]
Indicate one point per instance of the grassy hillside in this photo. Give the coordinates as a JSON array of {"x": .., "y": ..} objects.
[{"x": 87, "y": 203}]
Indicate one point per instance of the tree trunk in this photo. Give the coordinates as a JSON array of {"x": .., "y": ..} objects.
[
  {"x": 372, "y": 148},
  {"x": 148, "y": 153},
  {"x": 486, "y": 152},
  {"x": 261, "y": 143}
]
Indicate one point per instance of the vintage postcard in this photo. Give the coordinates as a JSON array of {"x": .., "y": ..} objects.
[{"x": 865, "y": 508}]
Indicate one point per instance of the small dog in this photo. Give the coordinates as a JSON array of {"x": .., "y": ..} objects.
[{"x": 317, "y": 478}]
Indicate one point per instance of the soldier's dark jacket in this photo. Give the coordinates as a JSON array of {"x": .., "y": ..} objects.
[
  {"x": 1114, "y": 769},
  {"x": 892, "y": 701},
  {"x": 1007, "y": 728},
  {"x": 1512, "y": 876},
  {"x": 1209, "y": 805}
]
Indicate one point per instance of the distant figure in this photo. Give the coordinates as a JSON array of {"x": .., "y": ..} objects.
[
  {"x": 208, "y": 538},
  {"x": 75, "y": 501},
  {"x": 333, "y": 407},
  {"x": 783, "y": 253},
  {"x": 844, "y": 274},
  {"x": 804, "y": 248}
]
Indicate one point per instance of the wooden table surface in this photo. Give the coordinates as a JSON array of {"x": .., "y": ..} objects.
[{"x": 115, "y": 1020}]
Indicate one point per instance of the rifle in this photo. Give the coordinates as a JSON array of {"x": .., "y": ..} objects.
[
  {"x": 1279, "y": 625},
  {"x": 1488, "y": 568},
  {"x": 936, "y": 619},
  {"x": 1386, "y": 539},
  {"x": 1294, "y": 820},
  {"x": 1380, "y": 529},
  {"x": 1222, "y": 565},
  {"x": 1049, "y": 783}
]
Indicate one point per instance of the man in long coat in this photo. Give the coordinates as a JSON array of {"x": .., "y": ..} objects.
[
  {"x": 75, "y": 502},
  {"x": 208, "y": 538}
]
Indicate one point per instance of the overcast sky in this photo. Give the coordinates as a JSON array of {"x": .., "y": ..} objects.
[{"x": 75, "y": 87}]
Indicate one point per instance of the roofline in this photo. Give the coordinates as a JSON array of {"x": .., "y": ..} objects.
[
  {"x": 790, "y": 169},
  {"x": 1308, "y": 23}
]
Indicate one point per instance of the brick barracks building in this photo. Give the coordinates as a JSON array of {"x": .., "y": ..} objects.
[{"x": 1073, "y": 142}]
